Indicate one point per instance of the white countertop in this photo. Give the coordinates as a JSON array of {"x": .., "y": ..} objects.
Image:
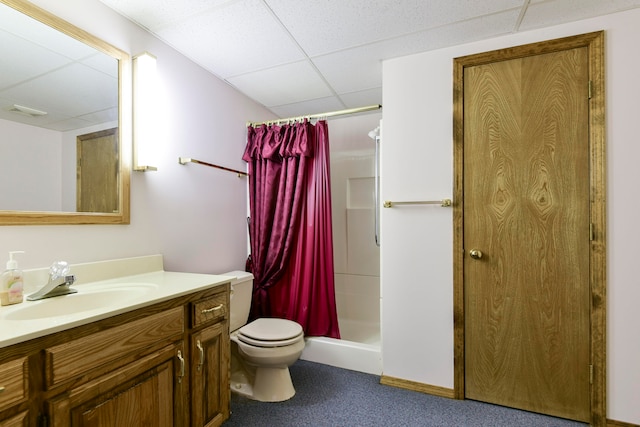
[{"x": 156, "y": 286}]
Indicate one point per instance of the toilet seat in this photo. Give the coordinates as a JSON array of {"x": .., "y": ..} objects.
[{"x": 269, "y": 332}]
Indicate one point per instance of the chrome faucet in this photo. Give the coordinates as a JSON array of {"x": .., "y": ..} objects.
[{"x": 58, "y": 284}]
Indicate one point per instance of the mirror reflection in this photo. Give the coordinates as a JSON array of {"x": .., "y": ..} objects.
[{"x": 59, "y": 119}]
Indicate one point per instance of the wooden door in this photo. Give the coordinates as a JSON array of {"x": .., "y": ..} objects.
[
  {"x": 527, "y": 233},
  {"x": 98, "y": 172}
]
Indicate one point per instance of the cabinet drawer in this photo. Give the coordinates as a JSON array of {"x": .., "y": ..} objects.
[
  {"x": 14, "y": 386},
  {"x": 79, "y": 356},
  {"x": 211, "y": 309}
]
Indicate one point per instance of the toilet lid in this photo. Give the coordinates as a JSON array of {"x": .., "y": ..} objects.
[
  {"x": 269, "y": 332},
  {"x": 270, "y": 344}
]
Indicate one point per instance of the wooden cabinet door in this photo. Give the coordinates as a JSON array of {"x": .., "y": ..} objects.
[
  {"x": 14, "y": 391},
  {"x": 20, "y": 420},
  {"x": 148, "y": 392},
  {"x": 210, "y": 393}
]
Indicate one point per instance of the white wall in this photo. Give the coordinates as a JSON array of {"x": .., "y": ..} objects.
[
  {"x": 23, "y": 149},
  {"x": 417, "y": 243},
  {"x": 194, "y": 215}
]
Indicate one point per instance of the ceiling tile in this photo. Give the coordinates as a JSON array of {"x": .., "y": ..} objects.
[
  {"x": 286, "y": 84},
  {"x": 240, "y": 37},
  {"x": 353, "y": 69},
  {"x": 103, "y": 63},
  {"x": 154, "y": 14},
  {"x": 305, "y": 108},
  {"x": 330, "y": 25},
  {"x": 361, "y": 68},
  {"x": 91, "y": 90},
  {"x": 36, "y": 60},
  {"x": 28, "y": 29},
  {"x": 362, "y": 98},
  {"x": 69, "y": 124},
  {"x": 461, "y": 32},
  {"x": 39, "y": 121},
  {"x": 102, "y": 116},
  {"x": 551, "y": 12}
]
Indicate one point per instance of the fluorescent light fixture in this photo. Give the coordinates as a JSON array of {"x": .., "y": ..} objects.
[
  {"x": 28, "y": 111},
  {"x": 145, "y": 90}
]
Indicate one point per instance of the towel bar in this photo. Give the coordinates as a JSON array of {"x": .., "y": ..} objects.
[{"x": 444, "y": 203}]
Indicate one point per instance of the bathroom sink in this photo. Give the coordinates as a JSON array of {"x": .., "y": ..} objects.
[{"x": 88, "y": 298}]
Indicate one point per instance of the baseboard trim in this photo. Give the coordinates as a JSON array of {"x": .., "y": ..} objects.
[
  {"x": 416, "y": 386},
  {"x": 449, "y": 393},
  {"x": 614, "y": 423}
]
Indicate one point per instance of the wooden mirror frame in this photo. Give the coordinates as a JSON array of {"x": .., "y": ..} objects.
[{"x": 9, "y": 217}]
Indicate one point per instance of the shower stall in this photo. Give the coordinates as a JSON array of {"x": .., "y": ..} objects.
[{"x": 354, "y": 164}]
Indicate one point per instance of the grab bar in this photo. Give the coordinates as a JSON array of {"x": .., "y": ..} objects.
[{"x": 444, "y": 203}]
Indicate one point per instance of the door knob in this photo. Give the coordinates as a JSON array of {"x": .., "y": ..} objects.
[{"x": 475, "y": 253}]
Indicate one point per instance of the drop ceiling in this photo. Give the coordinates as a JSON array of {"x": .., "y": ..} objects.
[{"x": 301, "y": 57}]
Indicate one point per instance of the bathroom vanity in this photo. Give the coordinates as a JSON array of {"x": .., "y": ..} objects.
[{"x": 160, "y": 357}]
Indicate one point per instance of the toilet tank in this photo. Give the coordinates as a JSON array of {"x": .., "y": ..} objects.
[{"x": 241, "y": 292}]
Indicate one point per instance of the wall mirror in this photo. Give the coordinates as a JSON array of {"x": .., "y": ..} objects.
[{"x": 61, "y": 95}]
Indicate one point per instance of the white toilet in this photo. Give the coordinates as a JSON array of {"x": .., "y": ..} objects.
[{"x": 261, "y": 351}]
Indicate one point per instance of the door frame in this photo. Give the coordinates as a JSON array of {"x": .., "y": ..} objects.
[{"x": 594, "y": 42}]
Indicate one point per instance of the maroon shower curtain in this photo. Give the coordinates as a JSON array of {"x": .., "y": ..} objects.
[{"x": 290, "y": 225}]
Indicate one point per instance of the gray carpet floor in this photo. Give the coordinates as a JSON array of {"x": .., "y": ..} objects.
[{"x": 329, "y": 396}]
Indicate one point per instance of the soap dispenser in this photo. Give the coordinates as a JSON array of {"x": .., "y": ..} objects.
[{"x": 11, "y": 282}]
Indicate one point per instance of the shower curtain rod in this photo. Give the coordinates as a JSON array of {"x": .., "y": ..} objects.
[{"x": 317, "y": 116}]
